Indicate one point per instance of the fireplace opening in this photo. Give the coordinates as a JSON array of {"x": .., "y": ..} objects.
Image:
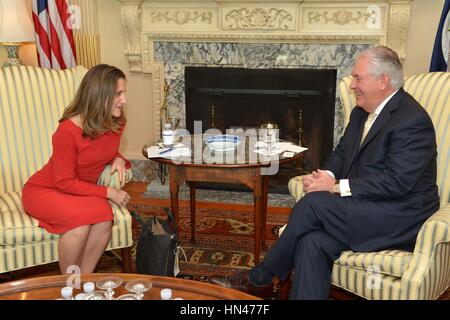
[{"x": 300, "y": 101}]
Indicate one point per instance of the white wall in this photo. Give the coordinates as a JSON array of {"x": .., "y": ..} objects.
[
  {"x": 139, "y": 86},
  {"x": 425, "y": 15}
]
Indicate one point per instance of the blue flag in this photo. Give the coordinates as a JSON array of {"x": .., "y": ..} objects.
[{"x": 439, "y": 59}]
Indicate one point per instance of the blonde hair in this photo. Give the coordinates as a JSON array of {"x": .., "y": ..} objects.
[{"x": 93, "y": 101}]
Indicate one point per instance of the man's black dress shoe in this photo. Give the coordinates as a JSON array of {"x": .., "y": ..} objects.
[{"x": 240, "y": 281}]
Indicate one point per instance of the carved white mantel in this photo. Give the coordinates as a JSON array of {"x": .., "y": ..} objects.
[{"x": 383, "y": 22}]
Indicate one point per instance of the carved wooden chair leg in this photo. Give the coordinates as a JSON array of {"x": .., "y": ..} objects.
[
  {"x": 284, "y": 287},
  {"x": 126, "y": 260}
]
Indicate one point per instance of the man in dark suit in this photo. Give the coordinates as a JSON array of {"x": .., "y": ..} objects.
[{"x": 374, "y": 192}]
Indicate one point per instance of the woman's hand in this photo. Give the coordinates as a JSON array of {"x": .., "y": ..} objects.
[
  {"x": 119, "y": 165},
  {"x": 119, "y": 197}
]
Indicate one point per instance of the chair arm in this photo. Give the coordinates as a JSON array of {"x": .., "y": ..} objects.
[
  {"x": 295, "y": 186},
  {"x": 112, "y": 180},
  {"x": 430, "y": 260}
]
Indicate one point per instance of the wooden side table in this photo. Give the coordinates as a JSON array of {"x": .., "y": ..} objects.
[{"x": 191, "y": 170}]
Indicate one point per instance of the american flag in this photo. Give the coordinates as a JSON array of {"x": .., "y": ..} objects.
[{"x": 54, "y": 37}]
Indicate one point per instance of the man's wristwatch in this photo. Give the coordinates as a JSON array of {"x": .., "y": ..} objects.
[{"x": 336, "y": 188}]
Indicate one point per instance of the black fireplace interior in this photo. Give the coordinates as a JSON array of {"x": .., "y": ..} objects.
[{"x": 300, "y": 101}]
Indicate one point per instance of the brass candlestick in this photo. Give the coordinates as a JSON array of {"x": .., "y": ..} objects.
[{"x": 163, "y": 110}]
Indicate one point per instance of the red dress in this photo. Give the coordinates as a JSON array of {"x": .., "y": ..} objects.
[{"x": 64, "y": 195}]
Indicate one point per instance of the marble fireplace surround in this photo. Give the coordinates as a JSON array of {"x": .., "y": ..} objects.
[{"x": 163, "y": 37}]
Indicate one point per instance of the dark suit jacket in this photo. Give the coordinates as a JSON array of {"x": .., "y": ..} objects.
[{"x": 392, "y": 175}]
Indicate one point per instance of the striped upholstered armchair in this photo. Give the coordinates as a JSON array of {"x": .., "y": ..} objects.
[
  {"x": 425, "y": 273},
  {"x": 31, "y": 102}
]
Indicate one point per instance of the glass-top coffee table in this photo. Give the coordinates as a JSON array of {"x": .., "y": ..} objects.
[{"x": 49, "y": 288}]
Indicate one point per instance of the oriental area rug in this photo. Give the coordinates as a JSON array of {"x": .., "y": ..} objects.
[
  {"x": 224, "y": 239},
  {"x": 224, "y": 234}
]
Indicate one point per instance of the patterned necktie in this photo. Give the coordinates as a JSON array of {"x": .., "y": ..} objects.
[{"x": 367, "y": 125}]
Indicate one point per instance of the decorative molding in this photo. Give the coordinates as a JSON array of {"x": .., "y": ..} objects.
[
  {"x": 157, "y": 72},
  {"x": 267, "y": 38},
  {"x": 181, "y": 16},
  {"x": 398, "y": 28},
  {"x": 132, "y": 25},
  {"x": 148, "y": 52},
  {"x": 308, "y": 21},
  {"x": 340, "y": 17},
  {"x": 258, "y": 19}
]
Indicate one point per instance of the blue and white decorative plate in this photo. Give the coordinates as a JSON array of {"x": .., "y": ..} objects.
[{"x": 223, "y": 142}]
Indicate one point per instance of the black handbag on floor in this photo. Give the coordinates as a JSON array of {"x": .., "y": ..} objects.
[{"x": 157, "y": 247}]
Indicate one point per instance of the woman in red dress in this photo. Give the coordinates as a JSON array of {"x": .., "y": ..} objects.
[{"x": 63, "y": 195}]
